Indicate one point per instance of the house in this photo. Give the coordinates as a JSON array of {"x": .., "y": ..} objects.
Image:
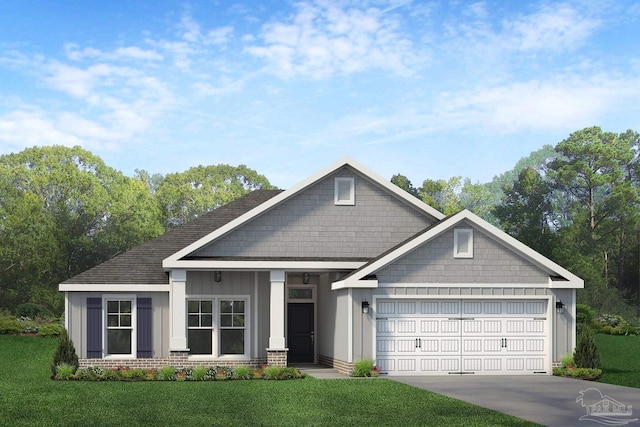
[{"x": 342, "y": 266}]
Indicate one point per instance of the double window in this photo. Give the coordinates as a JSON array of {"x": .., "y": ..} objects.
[{"x": 217, "y": 327}]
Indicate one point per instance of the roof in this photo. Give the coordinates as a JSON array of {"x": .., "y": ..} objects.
[
  {"x": 143, "y": 264},
  {"x": 361, "y": 277}
]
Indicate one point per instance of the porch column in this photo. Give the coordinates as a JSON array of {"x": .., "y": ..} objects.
[
  {"x": 177, "y": 310},
  {"x": 276, "y": 312}
]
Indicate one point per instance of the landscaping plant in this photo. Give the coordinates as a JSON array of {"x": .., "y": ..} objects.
[
  {"x": 65, "y": 353},
  {"x": 586, "y": 353}
]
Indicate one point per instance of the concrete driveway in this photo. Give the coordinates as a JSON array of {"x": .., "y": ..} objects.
[{"x": 546, "y": 400}]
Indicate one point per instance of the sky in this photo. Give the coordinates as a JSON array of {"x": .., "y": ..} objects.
[{"x": 427, "y": 89}]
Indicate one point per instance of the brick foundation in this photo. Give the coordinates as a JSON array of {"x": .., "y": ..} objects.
[
  {"x": 277, "y": 357},
  {"x": 342, "y": 366},
  {"x": 176, "y": 359}
]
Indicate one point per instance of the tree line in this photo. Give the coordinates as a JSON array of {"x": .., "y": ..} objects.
[
  {"x": 62, "y": 211},
  {"x": 576, "y": 203}
]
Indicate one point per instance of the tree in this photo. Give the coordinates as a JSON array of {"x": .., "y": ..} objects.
[
  {"x": 184, "y": 196},
  {"x": 404, "y": 183},
  {"x": 65, "y": 353},
  {"x": 442, "y": 195},
  {"x": 586, "y": 354},
  {"x": 525, "y": 210},
  {"x": 64, "y": 211}
]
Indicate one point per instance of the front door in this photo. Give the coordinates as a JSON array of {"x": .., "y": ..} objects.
[{"x": 300, "y": 339}]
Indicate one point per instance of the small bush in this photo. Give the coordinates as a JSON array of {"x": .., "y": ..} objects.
[
  {"x": 64, "y": 371},
  {"x": 33, "y": 311},
  {"x": 65, "y": 353},
  {"x": 567, "y": 361},
  {"x": 364, "y": 368},
  {"x": 134, "y": 374},
  {"x": 281, "y": 373},
  {"x": 242, "y": 373},
  {"x": 586, "y": 353},
  {"x": 50, "y": 330},
  {"x": 199, "y": 373},
  {"x": 10, "y": 325},
  {"x": 90, "y": 373},
  {"x": 578, "y": 373},
  {"x": 166, "y": 373}
]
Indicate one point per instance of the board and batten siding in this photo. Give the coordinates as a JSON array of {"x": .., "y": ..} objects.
[
  {"x": 78, "y": 321},
  {"x": 311, "y": 225},
  {"x": 434, "y": 262},
  {"x": 241, "y": 283}
]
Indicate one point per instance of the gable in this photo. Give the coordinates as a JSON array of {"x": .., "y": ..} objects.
[
  {"x": 434, "y": 262},
  {"x": 313, "y": 224}
]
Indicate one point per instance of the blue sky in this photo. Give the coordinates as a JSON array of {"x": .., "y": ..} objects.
[{"x": 427, "y": 89}]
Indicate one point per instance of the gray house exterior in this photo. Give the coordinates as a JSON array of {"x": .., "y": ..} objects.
[{"x": 342, "y": 266}]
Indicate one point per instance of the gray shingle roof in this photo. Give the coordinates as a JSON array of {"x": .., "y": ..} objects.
[{"x": 143, "y": 264}]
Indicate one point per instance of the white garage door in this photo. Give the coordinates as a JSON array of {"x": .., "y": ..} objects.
[{"x": 440, "y": 337}]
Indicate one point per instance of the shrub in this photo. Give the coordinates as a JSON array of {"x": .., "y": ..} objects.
[
  {"x": 90, "y": 373},
  {"x": 578, "y": 373},
  {"x": 64, "y": 371},
  {"x": 10, "y": 325},
  {"x": 586, "y": 353},
  {"x": 567, "y": 361},
  {"x": 243, "y": 373},
  {"x": 33, "y": 311},
  {"x": 281, "y": 373},
  {"x": 199, "y": 373},
  {"x": 364, "y": 368},
  {"x": 134, "y": 374},
  {"x": 65, "y": 353},
  {"x": 166, "y": 373},
  {"x": 50, "y": 330}
]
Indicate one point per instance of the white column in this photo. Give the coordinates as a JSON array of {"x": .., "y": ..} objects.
[
  {"x": 177, "y": 309},
  {"x": 276, "y": 318}
]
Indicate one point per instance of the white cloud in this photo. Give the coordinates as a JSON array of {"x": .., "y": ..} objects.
[
  {"x": 74, "y": 53},
  {"x": 324, "y": 39}
]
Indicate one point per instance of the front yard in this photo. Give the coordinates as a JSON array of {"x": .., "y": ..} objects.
[
  {"x": 620, "y": 356},
  {"x": 28, "y": 397}
]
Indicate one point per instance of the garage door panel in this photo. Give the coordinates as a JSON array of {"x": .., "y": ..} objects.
[{"x": 438, "y": 337}]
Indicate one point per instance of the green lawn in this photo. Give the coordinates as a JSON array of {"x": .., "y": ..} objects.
[
  {"x": 29, "y": 398},
  {"x": 620, "y": 357}
]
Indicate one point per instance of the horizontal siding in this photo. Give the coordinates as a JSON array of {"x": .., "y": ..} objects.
[
  {"x": 434, "y": 262},
  {"x": 311, "y": 225}
]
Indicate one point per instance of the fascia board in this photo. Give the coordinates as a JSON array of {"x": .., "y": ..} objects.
[
  {"x": 112, "y": 287},
  {"x": 346, "y": 161},
  {"x": 264, "y": 265},
  {"x": 361, "y": 284}
]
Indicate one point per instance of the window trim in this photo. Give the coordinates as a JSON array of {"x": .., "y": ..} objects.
[
  {"x": 457, "y": 232},
  {"x": 215, "y": 339},
  {"x": 105, "y": 329},
  {"x": 352, "y": 191},
  {"x": 212, "y": 328}
]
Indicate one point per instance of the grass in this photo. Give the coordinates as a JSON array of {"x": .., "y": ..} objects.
[
  {"x": 619, "y": 357},
  {"x": 28, "y": 398}
]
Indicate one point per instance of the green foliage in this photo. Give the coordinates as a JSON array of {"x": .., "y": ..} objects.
[
  {"x": 585, "y": 314},
  {"x": 10, "y": 325},
  {"x": 166, "y": 373},
  {"x": 242, "y": 373},
  {"x": 184, "y": 196},
  {"x": 590, "y": 374},
  {"x": 33, "y": 311},
  {"x": 614, "y": 324},
  {"x": 620, "y": 361},
  {"x": 567, "y": 361},
  {"x": 64, "y": 371},
  {"x": 50, "y": 330},
  {"x": 586, "y": 353},
  {"x": 364, "y": 368},
  {"x": 65, "y": 353},
  {"x": 199, "y": 373}
]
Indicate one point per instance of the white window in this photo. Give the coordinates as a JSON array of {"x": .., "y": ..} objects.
[
  {"x": 232, "y": 327},
  {"x": 345, "y": 193},
  {"x": 200, "y": 326},
  {"x": 120, "y": 333},
  {"x": 463, "y": 243}
]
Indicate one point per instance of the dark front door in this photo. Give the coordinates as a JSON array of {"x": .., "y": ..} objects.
[{"x": 300, "y": 332}]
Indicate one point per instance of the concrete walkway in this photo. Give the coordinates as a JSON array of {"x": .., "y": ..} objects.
[
  {"x": 321, "y": 372},
  {"x": 546, "y": 400}
]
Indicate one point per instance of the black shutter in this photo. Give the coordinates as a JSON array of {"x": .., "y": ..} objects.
[
  {"x": 94, "y": 328},
  {"x": 144, "y": 328}
]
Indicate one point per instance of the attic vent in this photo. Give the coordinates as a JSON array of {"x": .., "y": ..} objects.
[
  {"x": 463, "y": 243},
  {"x": 345, "y": 193}
]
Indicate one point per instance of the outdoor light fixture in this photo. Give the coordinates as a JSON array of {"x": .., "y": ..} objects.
[
  {"x": 559, "y": 307},
  {"x": 217, "y": 276},
  {"x": 305, "y": 278},
  {"x": 365, "y": 307}
]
